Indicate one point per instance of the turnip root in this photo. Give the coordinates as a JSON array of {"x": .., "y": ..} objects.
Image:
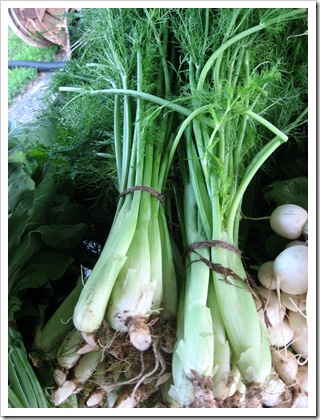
[
  {"x": 285, "y": 364},
  {"x": 298, "y": 323},
  {"x": 299, "y": 344},
  {"x": 305, "y": 231},
  {"x": 294, "y": 303},
  {"x": 281, "y": 334},
  {"x": 302, "y": 402},
  {"x": 302, "y": 377},
  {"x": 266, "y": 275},
  {"x": 274, "y": 309},
  {"x": 273, "y": 394},
  {"x": 291, "y": 270},
  {"x": 288, "y": 221}
]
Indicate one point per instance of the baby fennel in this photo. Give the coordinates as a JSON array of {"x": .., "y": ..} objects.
[
  {"x": 240, "y": 87},
  {"x": 127, "y": 284}
]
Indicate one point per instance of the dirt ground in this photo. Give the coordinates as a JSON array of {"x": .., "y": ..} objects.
[{"x": 30, "y": 103}]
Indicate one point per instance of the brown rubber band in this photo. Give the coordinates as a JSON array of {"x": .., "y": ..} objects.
[
  {"x": 204, "y": 244},
  {"x": 142, "y": 188}
]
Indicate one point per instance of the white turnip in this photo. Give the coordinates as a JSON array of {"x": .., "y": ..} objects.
[
  {"x": 294, "y": 303},
  {"x": 298, "y": 322},
  {"x": 299, "y": 344},
  {"x": 281, "y": 334},
  {"x": 302, "y": 377},
  {"x": 285, "y": 364},
  {"x": 291, "y": 270},
  {"x": 273, "y": 394},
  {"x": 288, "y": 221},
  {"x": 302, "y": 402},
  {"x": 266, "y": 275},
  {"x": 273, "y": 308}
]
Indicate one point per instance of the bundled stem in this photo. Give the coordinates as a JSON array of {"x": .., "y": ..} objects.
[
  {"x": 175, "y": 81},
  {"x": 216, "y": 155},
  {"x": 135, "y": 269},
  {"x": 25, "y": 390}
]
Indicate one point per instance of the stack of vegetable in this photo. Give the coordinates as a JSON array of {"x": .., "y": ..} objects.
[
  {"x": 228, "y": 360},
  {"x": 44, "y": 225},
  {"x": 284, "y": 285},
  {"x": 132, "y": 286},
  {"x": 195, "y": 101}
]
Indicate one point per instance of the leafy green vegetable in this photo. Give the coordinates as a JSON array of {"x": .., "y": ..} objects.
[
  {"x": 40, "y": 248},
  {"x": 293, "y": 191},
  {"x": 31, "y": 230},
  {"x": 41, "y": 132}
]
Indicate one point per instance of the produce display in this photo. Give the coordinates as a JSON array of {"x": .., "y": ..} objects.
[
  {"x": 136, "y": 276},
  {"x": 284, "y": 285}
]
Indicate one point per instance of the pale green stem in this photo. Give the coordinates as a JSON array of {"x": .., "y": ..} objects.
[
  {"x": 240, "y": 36},
  {"x": 267, "y": 124},
  {"x": 117, "y": 139},
  {"x": 147, "y": 96},
  {"x": 162, "y": 53},
  {"x": 252, "y": 169},
  {"x": 176, "y": 141},
  {"x": 127, "y": 138}
]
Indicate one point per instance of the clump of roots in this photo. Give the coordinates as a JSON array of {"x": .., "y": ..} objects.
[
  {"x": 125, "y": 376},
  {"x": 203, "y": 393},
  {"x": 249, "y": 397}
]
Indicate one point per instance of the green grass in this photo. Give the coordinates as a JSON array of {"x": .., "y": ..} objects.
[{"x": 19, "y": 78}]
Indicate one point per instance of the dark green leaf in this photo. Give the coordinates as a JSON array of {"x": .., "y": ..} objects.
[
  {"x": 44, "y": 198},
  {"x": 41, "y": 268},
  {"x": 14, "y": 306},
  {"x": 63, "y": 236},
  {"x": 274, "y": 245},
  {"x": 18, "y": 220},
  {"x": 42, "y": 132},
  {"x": 56, "y": 236},
  {"x": 65, "y": 212},
  {"x": 291, "y": 191},
  {"x": 29, "y": 245},
  {"x": 19, "y": 184}
]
